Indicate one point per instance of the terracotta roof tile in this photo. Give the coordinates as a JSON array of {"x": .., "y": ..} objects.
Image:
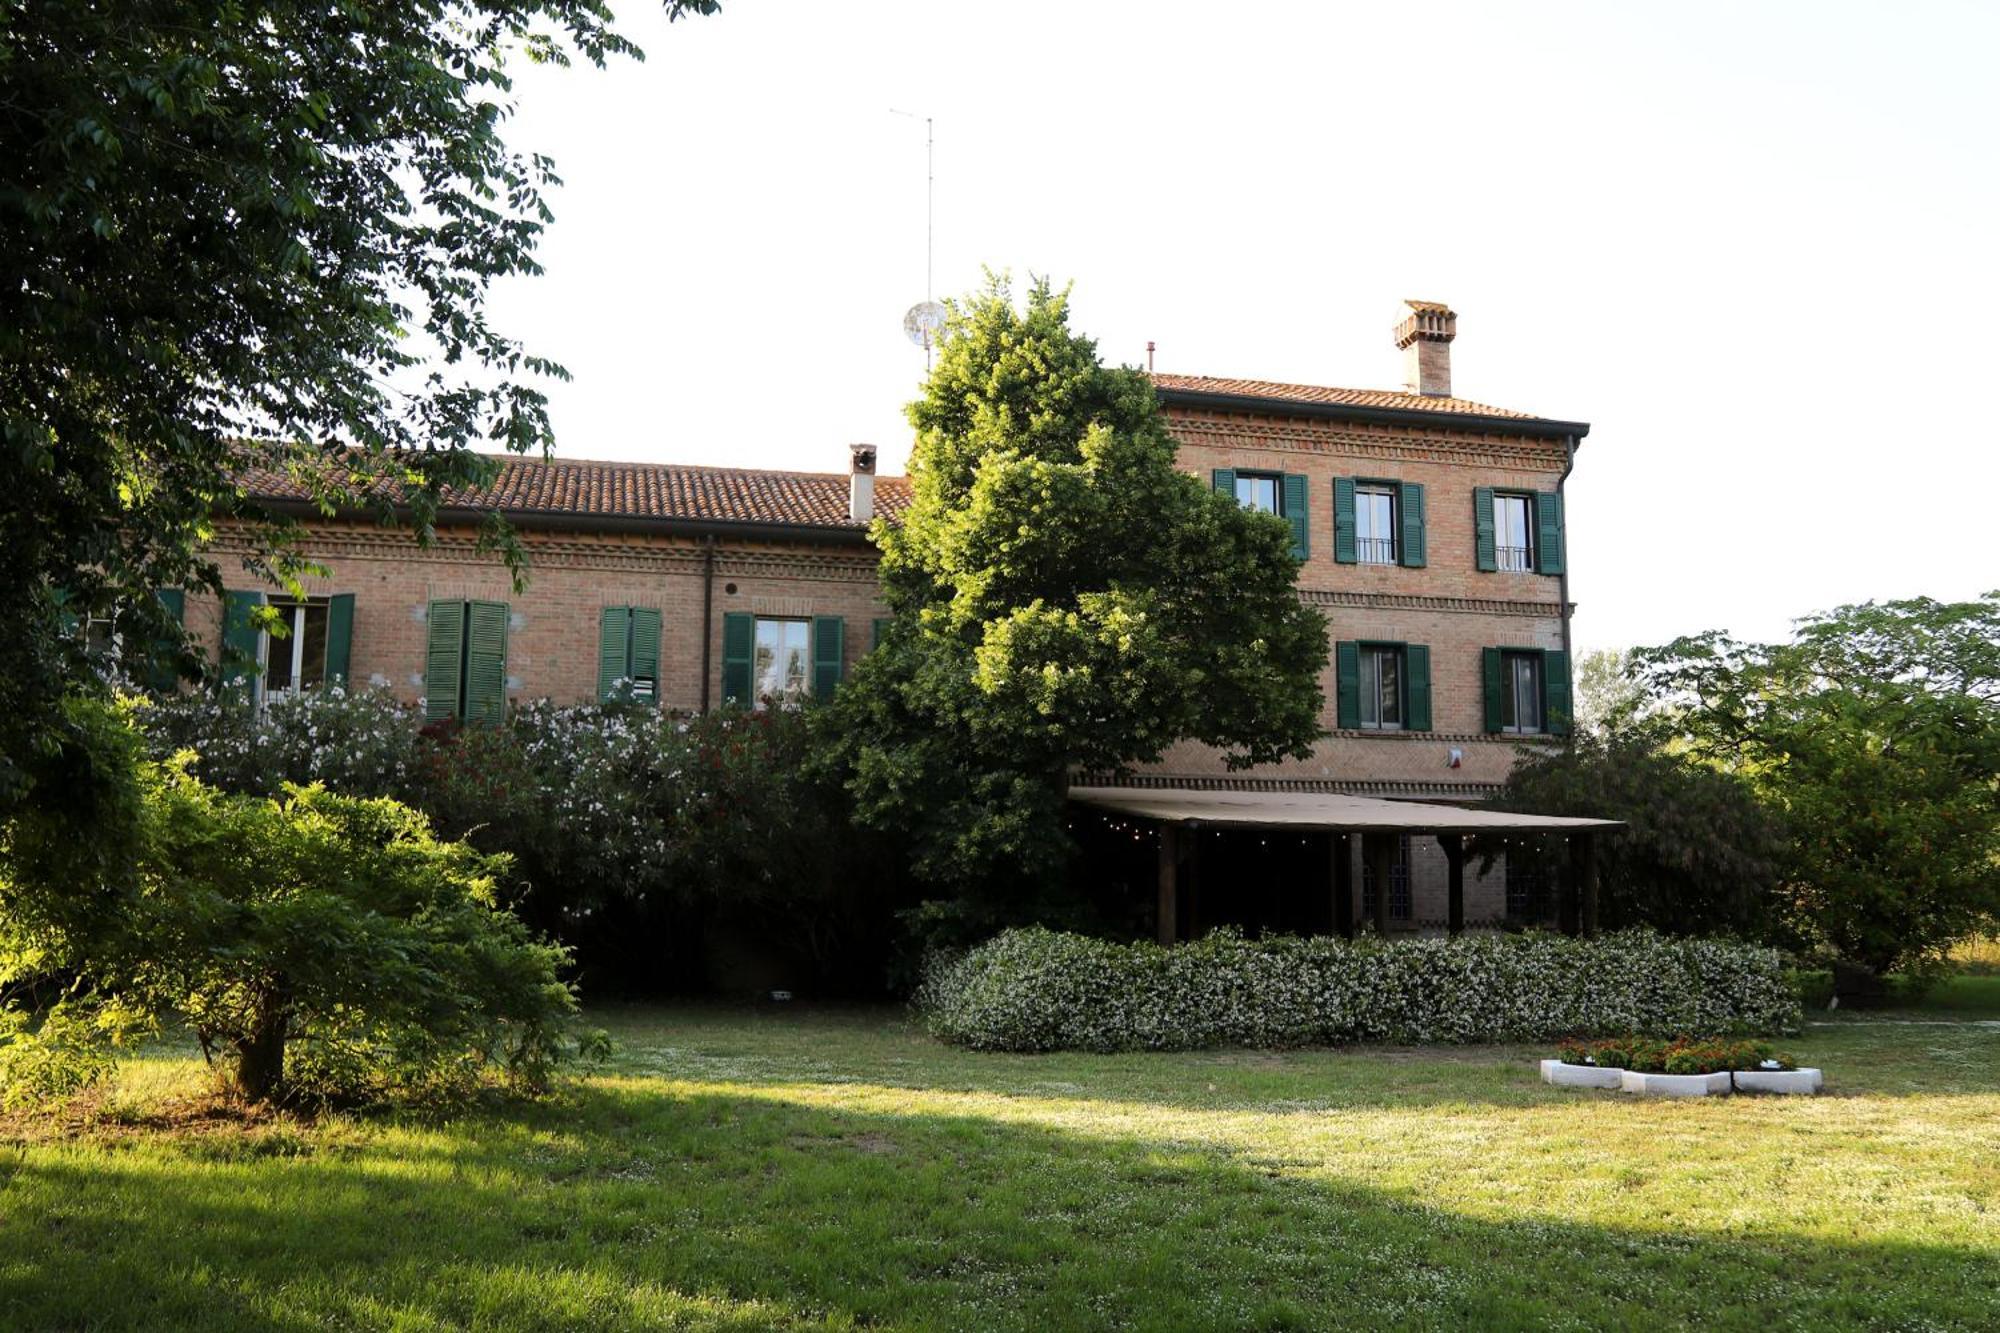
[
  {"x": 1314, "y": 393},
  {"x": 527, "y": 487}
]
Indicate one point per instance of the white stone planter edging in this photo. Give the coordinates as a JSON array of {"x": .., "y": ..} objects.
[
  {"x": 1675, "y": 1085},
  {"x": 1578, "y": 1076},
  {"x": 1789, "y": 1082}
]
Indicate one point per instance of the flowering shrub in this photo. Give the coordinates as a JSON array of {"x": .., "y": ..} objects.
[
  {"x": 1038, "y": 990},
  {"x": 631, "y": 831},
  {"x": 360, "y": 742}
]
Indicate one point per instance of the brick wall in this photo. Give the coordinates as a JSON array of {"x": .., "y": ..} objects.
[{"x": 553, "y": 623}]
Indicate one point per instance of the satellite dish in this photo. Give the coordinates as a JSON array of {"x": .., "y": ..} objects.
[{"x": 923, "y": 322}]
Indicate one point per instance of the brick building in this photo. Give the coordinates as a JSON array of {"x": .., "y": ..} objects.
[{"x": 1430, "y": 531}]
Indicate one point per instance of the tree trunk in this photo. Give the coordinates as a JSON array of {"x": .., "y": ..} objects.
[{"x": 260, "y": 1057}]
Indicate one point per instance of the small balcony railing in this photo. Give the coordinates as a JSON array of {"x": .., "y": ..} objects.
[
  {"x": 1376, "y": 550},
  {"x": 1517, "y": 559}
]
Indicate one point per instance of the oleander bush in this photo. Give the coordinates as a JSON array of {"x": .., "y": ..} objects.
[{"x": 1040, "y": 990}]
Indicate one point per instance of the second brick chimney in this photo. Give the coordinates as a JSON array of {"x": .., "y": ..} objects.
[
  {"x": 861, "y": 483},
  {"x": 1425, "y": 336}
]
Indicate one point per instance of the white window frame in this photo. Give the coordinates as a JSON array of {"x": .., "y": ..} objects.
[
  {"x": 1369, "y": 686},
  {"x": 1511, "y": 677},
  {"x": 1511, "y": 557},
  {"x": 1376, "y": 549},
  {"x": 792, "y": 695},
  {"x": 1277, "y": 481},
  {"x": 295, "y": 644}
]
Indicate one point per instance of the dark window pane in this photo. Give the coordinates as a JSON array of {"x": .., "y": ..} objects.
[{"x": 312, "y": 645}]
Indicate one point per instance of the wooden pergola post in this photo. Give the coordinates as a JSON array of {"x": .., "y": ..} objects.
[
  {"x": 1380, "y": 851},
  {"x": 1454, "y": 859},
  {"x": 1583, "y": 865},
  {"x": 1341, "y": 857},
  {"x": 1167, "y": 910},
  {"x": 1567, "y": 916}
]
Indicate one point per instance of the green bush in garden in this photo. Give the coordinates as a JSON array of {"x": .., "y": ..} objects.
[
  {"x": 1039, "y": 990},
  {"x": 319, "y": 946}
]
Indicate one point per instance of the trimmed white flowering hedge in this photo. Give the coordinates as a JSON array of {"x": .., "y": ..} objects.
[{"x": 1040, "y": 990}]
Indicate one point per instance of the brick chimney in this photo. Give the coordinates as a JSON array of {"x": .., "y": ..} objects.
[
  {"x": 1425, "y": 336},
  {"x": 861, "y": 483}
]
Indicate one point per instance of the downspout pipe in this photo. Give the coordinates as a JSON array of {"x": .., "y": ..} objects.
[
  {"x": 1562, "y": 587},
  {"x": 709, "y": 611}
]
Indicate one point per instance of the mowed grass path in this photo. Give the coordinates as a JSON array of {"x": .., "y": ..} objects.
[{"x": 834, "y": 1169}]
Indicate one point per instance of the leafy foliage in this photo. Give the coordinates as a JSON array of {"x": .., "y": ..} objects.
[
  {"x": 1037, "y": 990},
  {"x": 1700, "y": 853},
  {"x": 1876, "y": 733},
  {"x": 1064, "y": 599},
  {"x": 624, "y": 827},
  {"x": 238, "y": 234},
  {"x": 323, "y": 945}
]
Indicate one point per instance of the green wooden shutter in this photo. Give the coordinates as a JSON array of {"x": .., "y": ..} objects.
[
  {"x": 829, "y": 654},
  {"x": 1224, "y": 479},
  {"x": 159, "y": 665},
  {"x": 614, "y": 649},
  {"x": 1548, "y": 532},
  {"x": 645, "y": 664},
  {"x": 881, "y": 633},
  {"x": 1491, "y": 683},
  {"x": 1347, "y": 685},
  {"x": 1343, "y": 520},
  {"x": 1411, "y": 503},
  {"x": 1482, "y": 528},
  {"x": 739, "y": 646},
  {"x": 1555, "y": 693},
  {"x": 1296, "y": 513},
  {"x": 444, "y": 661},
  {"x": 486, "y": 662},
  {"x": 240, "y": 634},
  {"x": 1416, "y": 687},
  {"x": 339, "y": 638}
]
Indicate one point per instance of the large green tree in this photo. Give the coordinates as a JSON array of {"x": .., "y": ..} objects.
[
  {"x": 1876, "y": 732},
  {"x": 238, "y": 232},
  {"x": 1064, "y": 599}
]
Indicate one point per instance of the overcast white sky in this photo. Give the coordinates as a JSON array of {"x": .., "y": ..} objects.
[{"x": 1752, "y": 244}]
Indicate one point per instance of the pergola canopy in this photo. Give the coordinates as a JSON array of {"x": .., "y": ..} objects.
[{"x": 1326, "y": 811}]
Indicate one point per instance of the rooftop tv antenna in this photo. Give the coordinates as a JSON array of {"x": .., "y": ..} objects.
[{"x": 925, "y": 320}]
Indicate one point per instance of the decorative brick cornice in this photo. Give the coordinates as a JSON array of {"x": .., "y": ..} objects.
[
  {"x": 1284, "y": 434},
  {"x": 1413, "y": 602}
]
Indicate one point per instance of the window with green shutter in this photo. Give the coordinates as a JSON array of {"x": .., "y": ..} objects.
[
  {"x": 486, "y": 662},
  {"x": 829, "y": 654},
  {"x": 1548, "y": 532},
  {"x": 158, "y": 669},
  {"x": 1347, "y": 685},
  {"x": 465, "y": 661},
  {"x": 1555, "y": 693},
  {"x": 1383, "y": 686},
  {"x": 1490, "y": 682},
  {"x": 242, "y": 637},
  {"x": 1416, "y": 687},
  {"x": 1411, "y": 505},
  {"x": 1294, "y": 509},
  {"x": 739, "y": 646},
  {"x": 339, "y": 638},
  {"x": 628, "y": 652},
  {"x": 444, "y": 661},
  {"x": 1485, "y": 544},
  {"x": 881, "y": 632},
  {"x": 1344, "y": 548},
  {"x": 1527, "y": 691}
]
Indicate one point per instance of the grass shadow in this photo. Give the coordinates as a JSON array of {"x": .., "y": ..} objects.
[{"x": 622, "y": 1205}]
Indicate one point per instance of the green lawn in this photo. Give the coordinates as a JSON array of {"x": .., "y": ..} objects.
[{"x": 834, "y": 1169}]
